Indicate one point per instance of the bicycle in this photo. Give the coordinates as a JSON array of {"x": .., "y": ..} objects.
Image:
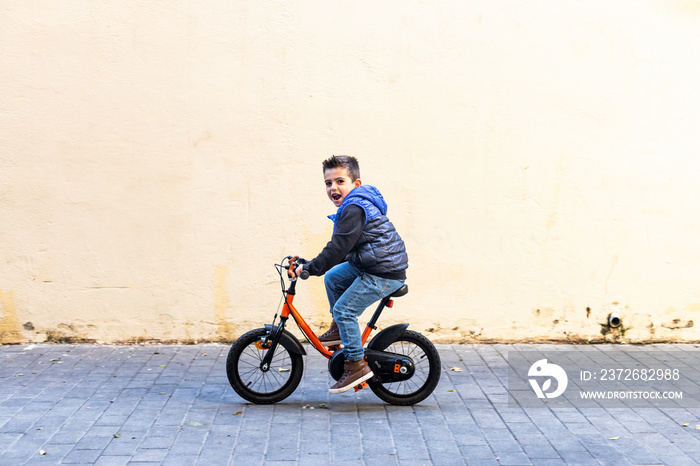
[{"x": 265, "y": 365}]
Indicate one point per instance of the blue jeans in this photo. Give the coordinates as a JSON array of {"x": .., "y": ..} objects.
[{"x": 350, "y": 292}]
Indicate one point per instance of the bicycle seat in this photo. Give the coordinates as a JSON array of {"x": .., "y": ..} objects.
[{"x": 400, "y": 292}]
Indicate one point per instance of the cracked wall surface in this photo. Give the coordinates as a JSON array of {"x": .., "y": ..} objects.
[{"x": 157, "y": 158}]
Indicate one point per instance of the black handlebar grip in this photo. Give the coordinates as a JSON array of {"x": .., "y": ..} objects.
[{"x": 304, "y": 274}]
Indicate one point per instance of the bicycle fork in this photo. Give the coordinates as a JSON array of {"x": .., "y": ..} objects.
[{"x": 275, "y": 335}]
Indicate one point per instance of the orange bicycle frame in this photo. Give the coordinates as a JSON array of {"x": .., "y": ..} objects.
[{"x": 289, "y": 309}]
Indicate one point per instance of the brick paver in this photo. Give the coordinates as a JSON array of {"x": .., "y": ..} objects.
[{"x": 172, "y": 405}]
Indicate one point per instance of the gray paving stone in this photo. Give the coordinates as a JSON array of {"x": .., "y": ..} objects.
[
  {"x": 512, "y": 458},
  {"x": 82, "y": 456},
  {"x": 180, "y": 460},
  {"x": 577, "y": 457},
  {"x": 469, "y": 438},
  {"x": 547, "y": 462},
  {"x": 150, "y": 455},
  {"x": 124, "y": 446},
  {"x": 93, "y": 442},
  {"x": 157, "y": 442},
  {"x": 566, "y": 444},
  {"x": 476, "y": 452},
  {"x": 541, "y": 451},
  {"x": 106, "y": 460}
]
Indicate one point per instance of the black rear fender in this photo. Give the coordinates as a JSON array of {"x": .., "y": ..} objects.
[{"x": 386, "y": 337}]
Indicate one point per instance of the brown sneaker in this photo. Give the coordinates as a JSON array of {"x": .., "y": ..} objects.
[
  {"x": 332, "y": 336},
  {"x": 355, "y": 373}
]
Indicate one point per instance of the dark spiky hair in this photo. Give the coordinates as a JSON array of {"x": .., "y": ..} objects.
[{"x": 344, "y": 161}]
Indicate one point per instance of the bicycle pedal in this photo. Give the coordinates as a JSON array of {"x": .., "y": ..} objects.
[{"x": 360, "y": 386}]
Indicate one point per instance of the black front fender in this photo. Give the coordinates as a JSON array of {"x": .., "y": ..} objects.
[
  {"x": 290, "y": 341},
  {"x": 386, "y": 337}
]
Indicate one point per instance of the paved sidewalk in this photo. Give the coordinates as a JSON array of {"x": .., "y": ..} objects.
[{"x": 140, "y": 405}]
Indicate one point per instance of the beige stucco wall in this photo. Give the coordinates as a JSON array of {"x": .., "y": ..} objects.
[{"x": 540, "y": 160}]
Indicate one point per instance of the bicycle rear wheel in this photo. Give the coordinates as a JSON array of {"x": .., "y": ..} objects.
[
  {"x": 250, "y": 381},
  {"x": 427, "y": 371}
]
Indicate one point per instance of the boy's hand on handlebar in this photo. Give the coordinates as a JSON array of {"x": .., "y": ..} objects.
[
  {"x": 292, "y": 270},
  {"x": 296, "y": 266},
  {"x": 296, "y": 271}
]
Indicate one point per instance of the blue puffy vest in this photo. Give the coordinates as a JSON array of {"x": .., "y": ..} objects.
[{"x": 380, "y": 249}]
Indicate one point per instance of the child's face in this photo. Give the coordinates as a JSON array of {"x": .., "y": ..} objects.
[{"x": 339, "y": 184}]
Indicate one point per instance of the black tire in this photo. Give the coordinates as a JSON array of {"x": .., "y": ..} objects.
[
  {"x": 250, "y": 381},
  {"x": 426, "y": 377}
]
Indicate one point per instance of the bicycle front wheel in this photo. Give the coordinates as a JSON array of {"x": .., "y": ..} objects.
[
  {"x": 249, "y": 380},
  {"x": 426, "y": 361}
]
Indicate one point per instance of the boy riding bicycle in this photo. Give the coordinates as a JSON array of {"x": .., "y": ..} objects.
[{"x": 364, "y": 261}]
